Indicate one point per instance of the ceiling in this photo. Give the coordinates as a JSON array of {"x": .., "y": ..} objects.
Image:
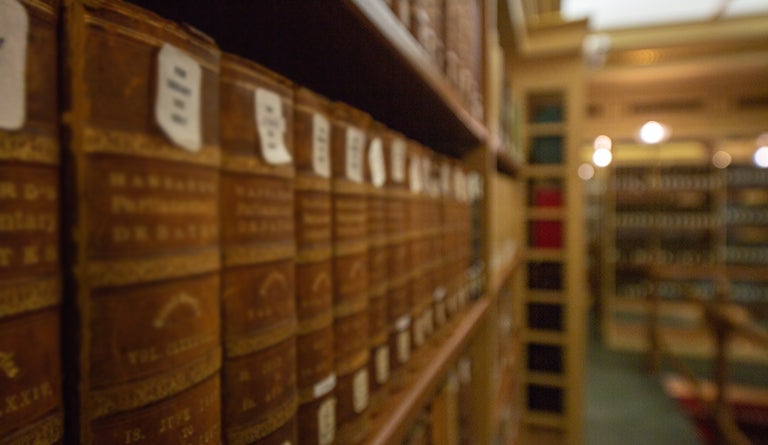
[{"x": 621, "y": 14}]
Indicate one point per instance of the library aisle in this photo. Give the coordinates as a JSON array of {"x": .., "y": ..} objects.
[{"x": 625, "y": 405}]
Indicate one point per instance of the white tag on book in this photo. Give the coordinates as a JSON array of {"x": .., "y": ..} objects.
[
  {"x": 325, "y": 386},
  {"x": 382, "y": 364},
  {"x": 14, "y": 27},
  {"x": 360, "y": 391},
  {"x": 403, "y": 346},
  {"x": 355, "y": 146},
  {"x": 271, "y": 125},
  {"x": 326, "y": 422},
  {"x": 321, "y": 146},
  {"x": 376, "y": 163},
  {"x": 414, "y": 175},
  {"x": 398, "y": 160},
  {"x": 178, "y": 103}
]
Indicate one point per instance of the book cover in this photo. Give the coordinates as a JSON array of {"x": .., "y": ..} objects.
[
  {"x": 316, "y": 374},
  {"x": 142, "y": 159},
  {"x": 350, "y": 270},
  {"x": 30, "y": 296},
  {"x": 258, "y": 246}
]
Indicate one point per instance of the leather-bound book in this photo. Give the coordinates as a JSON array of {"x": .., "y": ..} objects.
[
  {"x": 419, "y": 296},
  {"x": 375, "y": 179},
  {"x": 141, "y": 114},
  {"x": 463, "y": 235},
  {"x": 398, "y": 287},
  {"x": 314, "y": 291},
  {"x": 430, "y": 231},
  {"x": 30, "y": 272},
  {"x": 445, "y": 290},
  {"x": 258, "y": 246},
  {"x": 350, "y": 271}
]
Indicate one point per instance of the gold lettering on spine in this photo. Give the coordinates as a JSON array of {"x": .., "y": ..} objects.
[
  {"x": 98, "y": 140},
  {"x": 23, "y": 297},
  {"x": 47, "y": 430},
  {"x": 25, "y": 397},
  {"x": 8, "y": 365},
  {"x": 128, "y": 271},
  {"x": 267, "y": 424},
  {"x": 133, "y": 395},
  {"x": 29, "y": 148}
]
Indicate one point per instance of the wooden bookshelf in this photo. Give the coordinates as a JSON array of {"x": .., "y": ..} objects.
[
  {"x": 355, "y": 51},
  {"x": 391, "y": 424}
]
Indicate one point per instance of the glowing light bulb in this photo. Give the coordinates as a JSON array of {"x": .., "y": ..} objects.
[
  {"x": 586, "y": 171},
  {"x": 652, "y": 132},
  {"x": 603, "y": 141},
  {"x": 761, "y": 156},
  {"x": 602, "y": 157},
  {"x": 721, "y": 159}
]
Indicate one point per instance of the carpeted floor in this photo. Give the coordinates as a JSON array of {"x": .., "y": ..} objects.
[{"x": 626, "y": 405}]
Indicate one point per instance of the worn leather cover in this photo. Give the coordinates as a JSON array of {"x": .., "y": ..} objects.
[
  {"x": 418, "y": 246},
  {"x": 30, "y": 293},
  {"x": 259, "y": 310},
  {"x": 142, "y": 231},
  {"x": 378, "y": 328},
  {"x": 350, "y": 270},
  {"x": 398, "y": 261},
  {"x": 314, "y": 292}
]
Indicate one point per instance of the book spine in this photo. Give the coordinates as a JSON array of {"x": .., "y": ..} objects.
[
  {"x": 142, "y": 164},
  {"x": 350, "y": 272},
  {"x": 417, "y": 248},
  {"x": 398, "y": 288},
  {"x": 316, "y": 372},
  {"x": 258, "y": 246},
  {"x": 30, "y": 272},
  {"x": 376, "y": 177}
]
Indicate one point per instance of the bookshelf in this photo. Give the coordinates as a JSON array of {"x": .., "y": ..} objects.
[
  {"x": 360, "y": 52},
  {"x": 552, "y": 278}
]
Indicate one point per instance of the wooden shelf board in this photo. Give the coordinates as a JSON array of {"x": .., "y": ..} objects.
[
  {"x": 546, "y": 129},
  {"x": 544, "y": 378},
  {"x": 505, "y": 163},
  {"x": 544, "y": 337},
  {"x": 355, "y": 51},
  {"x": 505, "y": 272},
  {"x": 540, "y": 296},
  {"x": 544, "y": 170},
  {"x": 543, "y": 419},
  {"x": 402, "y": 408},
  {"x": 542, "y": 254},
  {"x": 547, "y": 213}
]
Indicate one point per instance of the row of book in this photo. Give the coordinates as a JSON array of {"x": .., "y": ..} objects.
[
  {"x": 450, "y": 32},
  {"x": 194, "y": 250}
]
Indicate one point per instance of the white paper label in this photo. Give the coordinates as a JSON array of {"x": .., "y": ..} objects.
[
  {"x": 439, "y": 293},
  {"x": 445, "y": 179},
  {"x": 382, "y": 364},
  {"x": 397, "y": 150},
  {"x": 321, "y": 146},
  {"x": 429, "y": 321},
  {"x": 403, "y": 346},
  {"x": 403, "y": 322},
  {"x": 326, "y": 422},
  {"x": 414, "y": 175},
  {"x": 376, "y": 163},
  {"x": 418, "y": 331},
  {"x": 465, "y": 370},
  {"x": 355, "y": 148},
  {"x": 14, "y": 27},
  {"x": 360, "y": 391},
  {"x": 441, "y": 316},
  {"x": 325, "y": 386},
  {"x": 272, "y": 127},
  {"x": 177, "y": 106},
  {"x": 459, "y": 185}
]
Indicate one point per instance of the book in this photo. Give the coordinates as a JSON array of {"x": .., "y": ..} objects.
[
  {"x": 350, "y": 271},
  {"x": 258, "y": 246},
  {"x": 316, "y": 376},
  {"x": 375, "y": 179},
  {"x": 418, "y": 245},
  {"x": 398, "y": 276},
  {"x": 142, "y": 159},
  {"x": 30, "y": 271}
]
